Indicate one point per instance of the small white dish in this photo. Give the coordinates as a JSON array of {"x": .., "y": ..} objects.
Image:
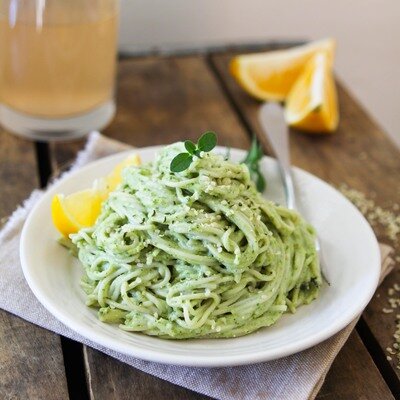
[{"x": 352, "y": 266}]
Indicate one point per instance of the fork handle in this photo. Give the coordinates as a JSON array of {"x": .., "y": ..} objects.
[{"x": 273, "y": 121}]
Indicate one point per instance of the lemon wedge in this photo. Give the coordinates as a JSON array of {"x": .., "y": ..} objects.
[
  {"x": 271, "y": 75},
  {"x": 76, "y": 211},
  {"x": 312, "y": 102},
  {"x": 112, "y": 180},
  {"x": 81, "y": 209}
]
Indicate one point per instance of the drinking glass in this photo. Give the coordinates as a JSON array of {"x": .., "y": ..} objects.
[{"x": 57, "y": 66}]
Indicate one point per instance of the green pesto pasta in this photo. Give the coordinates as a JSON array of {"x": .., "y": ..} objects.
[{"x": 195, "y": 254}]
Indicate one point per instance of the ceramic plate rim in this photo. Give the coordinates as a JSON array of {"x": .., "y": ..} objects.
[{"x": 178, "y": 359}]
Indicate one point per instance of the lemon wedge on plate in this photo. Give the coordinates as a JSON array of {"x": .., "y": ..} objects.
[
  {"x": 81, "y": 209},
  {"x": 78, "y": 210},
  {"x": 312, "y": 102},
  {"x": 115, "y": 177},
  {"x": 271, "y": 75}
]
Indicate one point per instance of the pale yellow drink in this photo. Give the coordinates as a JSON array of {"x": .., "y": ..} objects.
[{"x": 57, "y": 57}]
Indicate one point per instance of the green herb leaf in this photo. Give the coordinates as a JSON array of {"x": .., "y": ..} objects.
[
  {"x": 259, "y": 180},
  {"x": 252, "y": 160},
  {"x": 197, "y": 153},
  {"x": 181, "y": 162},
  {"x": 207, "y": 141},
  {"x": 254, "y": 154},
  {"x": 190, "y": 146}
]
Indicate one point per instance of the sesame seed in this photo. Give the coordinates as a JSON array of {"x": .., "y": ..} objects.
[
  {"x": 394, "y": 303},
  {"x": 390, "y": 350},
  {"x": 375, "y": 214}
]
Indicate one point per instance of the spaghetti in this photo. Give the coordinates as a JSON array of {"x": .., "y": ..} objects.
[{"x": 198, "y": 253}]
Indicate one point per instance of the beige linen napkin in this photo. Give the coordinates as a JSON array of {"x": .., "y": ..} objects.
[{"x": 297, "y": 377}]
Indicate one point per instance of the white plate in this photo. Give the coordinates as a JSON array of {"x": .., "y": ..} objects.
[{"x": 349, "y": 244}]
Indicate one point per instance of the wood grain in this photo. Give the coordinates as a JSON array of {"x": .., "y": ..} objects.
[
  {"x": 17, "y": 172},
  {"x": 353, "y": 381},
  {"x": 359, "y": 155},
  {"x": 345, "y": 380},
  {"x": 31, "y": 361},
  {"x": 161, "y": 100},
  {"x": 119, "y": 381}
]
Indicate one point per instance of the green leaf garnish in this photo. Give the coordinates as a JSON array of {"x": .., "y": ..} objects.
[
  {"x": 205, "y": 144},
  {"x": 207, "y": 141},
  {"x": 252, "y": 160},
  {"x": 259, "y": 180},
  {"x": 181, "y": 162},
  {"x": 190, "y": 146}
]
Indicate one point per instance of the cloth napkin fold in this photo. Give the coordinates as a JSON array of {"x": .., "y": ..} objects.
[{"x": 296, "y": 377}]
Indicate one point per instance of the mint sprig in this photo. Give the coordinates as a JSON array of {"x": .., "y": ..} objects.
[
  {"x": 252, "y": 160},
  {"x": 206, "y": 143},
  {"x": 182, "y": 161}
]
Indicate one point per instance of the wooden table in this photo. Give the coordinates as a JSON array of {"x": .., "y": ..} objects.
[{"x": 165, "y": 99}]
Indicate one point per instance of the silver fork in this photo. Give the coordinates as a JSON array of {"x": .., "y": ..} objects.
[{"x": 272, "y": 121}]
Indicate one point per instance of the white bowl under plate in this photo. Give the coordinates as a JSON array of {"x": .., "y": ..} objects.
[{"x": 352, "y": 267}]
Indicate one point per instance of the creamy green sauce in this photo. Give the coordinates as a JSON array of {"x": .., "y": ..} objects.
[{"x": 195, "y": 254}]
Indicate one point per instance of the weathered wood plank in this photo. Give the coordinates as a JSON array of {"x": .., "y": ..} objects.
[
  {"x": 17, "y": 172},
  {"x": 31, "y": 361},
  {"x": 159, "y": 101},
  {"x": 359, "y": 154},
  {"x": 342, "y": 382},
  {"x": 118, "y": 381},
  {"x": 354, "y": 380}
]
